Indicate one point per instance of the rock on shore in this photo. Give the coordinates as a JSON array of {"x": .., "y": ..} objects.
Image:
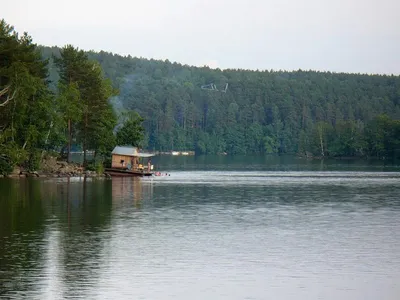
[{"x": 51, "y": 167}]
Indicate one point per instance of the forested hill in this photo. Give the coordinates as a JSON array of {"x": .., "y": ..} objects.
[{"x": 260, "y": 112}]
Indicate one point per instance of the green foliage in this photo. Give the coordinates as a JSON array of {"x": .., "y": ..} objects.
[
  {"x": 270, "y": 145},
  {"x": 91, "y": 166},
  {"x": 261, "y": 112},
  {"x": 33, "y": 119},
  {"x": 95, "y": 166},
  {"x": 349, "y": 139},
  {"x": 25, "y": 100},
  {"x": 107, "y": 161},
  {"x": 99, "y": 168},
  {"x": 383, "y": 137},
  {"x": 5, "y": 165},
  {"x": 132, "y": 131},
  {"x": 83, "y": 100},
  {"x": 69, "y": 101},
  {"x": 33, "y": 163}
]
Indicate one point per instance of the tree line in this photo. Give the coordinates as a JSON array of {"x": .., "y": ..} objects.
[{"x": 300, "y": 112}]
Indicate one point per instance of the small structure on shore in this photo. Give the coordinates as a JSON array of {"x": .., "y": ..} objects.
[{"x": 128, "y": 161}]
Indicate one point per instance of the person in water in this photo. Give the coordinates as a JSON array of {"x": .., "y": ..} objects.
[{"x": 161, "y": 174}]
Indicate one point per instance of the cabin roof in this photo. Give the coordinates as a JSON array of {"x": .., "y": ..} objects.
[{"x": 130, "y": 151}]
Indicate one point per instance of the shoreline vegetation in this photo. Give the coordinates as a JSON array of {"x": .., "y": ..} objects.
[{"x": 57, "y": 99}]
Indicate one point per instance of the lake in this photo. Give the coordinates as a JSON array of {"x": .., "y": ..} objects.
[{"x": 215, "y": 228}]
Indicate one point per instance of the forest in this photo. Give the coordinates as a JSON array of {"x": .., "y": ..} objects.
[
  {"x": 54, "y": 98},
  {"x": 244, "y": 112}
]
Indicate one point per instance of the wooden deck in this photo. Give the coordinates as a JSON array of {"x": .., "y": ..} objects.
[{"x": 126, "y": 173}]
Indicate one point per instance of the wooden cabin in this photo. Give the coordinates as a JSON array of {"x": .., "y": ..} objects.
[{"x": 130, "y": 158}]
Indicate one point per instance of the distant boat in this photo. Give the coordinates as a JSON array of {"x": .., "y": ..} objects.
[
  {"x": 182, "y": 153},
  {"x": 88, "y": 152}
]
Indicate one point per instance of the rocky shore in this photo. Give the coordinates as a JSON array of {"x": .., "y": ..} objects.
[{"x": 51, "y": 167}]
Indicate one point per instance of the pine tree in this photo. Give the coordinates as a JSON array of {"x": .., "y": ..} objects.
[{"x": 86, "y": 90}]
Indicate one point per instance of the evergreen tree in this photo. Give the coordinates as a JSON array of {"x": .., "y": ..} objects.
[{"x": 85, "y": 94}]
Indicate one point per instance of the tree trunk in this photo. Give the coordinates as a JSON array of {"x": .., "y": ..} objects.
[
  {"x": 69, "y": 140},
  {"x": 321, "y": 140},
  {"x": 322, "y": 145},
  {"x": 85, "y": 139},
  {"x": 47, "y": 138}
]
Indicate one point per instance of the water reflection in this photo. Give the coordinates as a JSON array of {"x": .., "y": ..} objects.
[
  {"x": 21, "y": 235},
  {"x": 300, "y": 189},
  {"x": 61, "y": 223},
  {"x": 132, "y": 190},
  {"x": 224, "y": 235},
  {"x": 273, "y": 163}
]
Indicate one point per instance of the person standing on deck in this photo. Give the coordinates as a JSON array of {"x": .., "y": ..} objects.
[{"x": 149, "y": 165}]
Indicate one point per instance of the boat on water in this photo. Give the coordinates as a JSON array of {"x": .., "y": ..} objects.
[{"x": 129, "y": 161}]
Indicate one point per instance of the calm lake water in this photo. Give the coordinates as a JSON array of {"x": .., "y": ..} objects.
[{"x": 216, "y": 228}]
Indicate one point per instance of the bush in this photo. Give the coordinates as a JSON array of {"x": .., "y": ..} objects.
[
  {"x": 99, "y": 168},
  {"x": 6, "y": 166},
  {"x": 33, "y": 162},
  {"x": 91, "y": 166},
  {"x": 107, "y": 162}
]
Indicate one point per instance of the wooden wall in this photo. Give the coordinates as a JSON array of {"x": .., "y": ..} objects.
[{"x": 116, "y": 161}]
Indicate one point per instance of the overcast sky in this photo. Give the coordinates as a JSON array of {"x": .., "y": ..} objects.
[{"x": 358, "y": 36}]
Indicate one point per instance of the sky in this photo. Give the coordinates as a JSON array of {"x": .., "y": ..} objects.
[{"x": 355, "y": 36}]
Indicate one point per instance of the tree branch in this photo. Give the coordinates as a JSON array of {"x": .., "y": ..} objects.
[{"x": 3, "y": 92}]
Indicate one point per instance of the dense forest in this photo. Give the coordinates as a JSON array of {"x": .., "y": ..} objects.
[
  {"x": 243, "y": 111},
  {"x": 52, "y": 98}
]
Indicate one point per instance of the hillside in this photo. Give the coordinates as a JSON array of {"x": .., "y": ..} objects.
[{"x": 323, "y": 113}]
